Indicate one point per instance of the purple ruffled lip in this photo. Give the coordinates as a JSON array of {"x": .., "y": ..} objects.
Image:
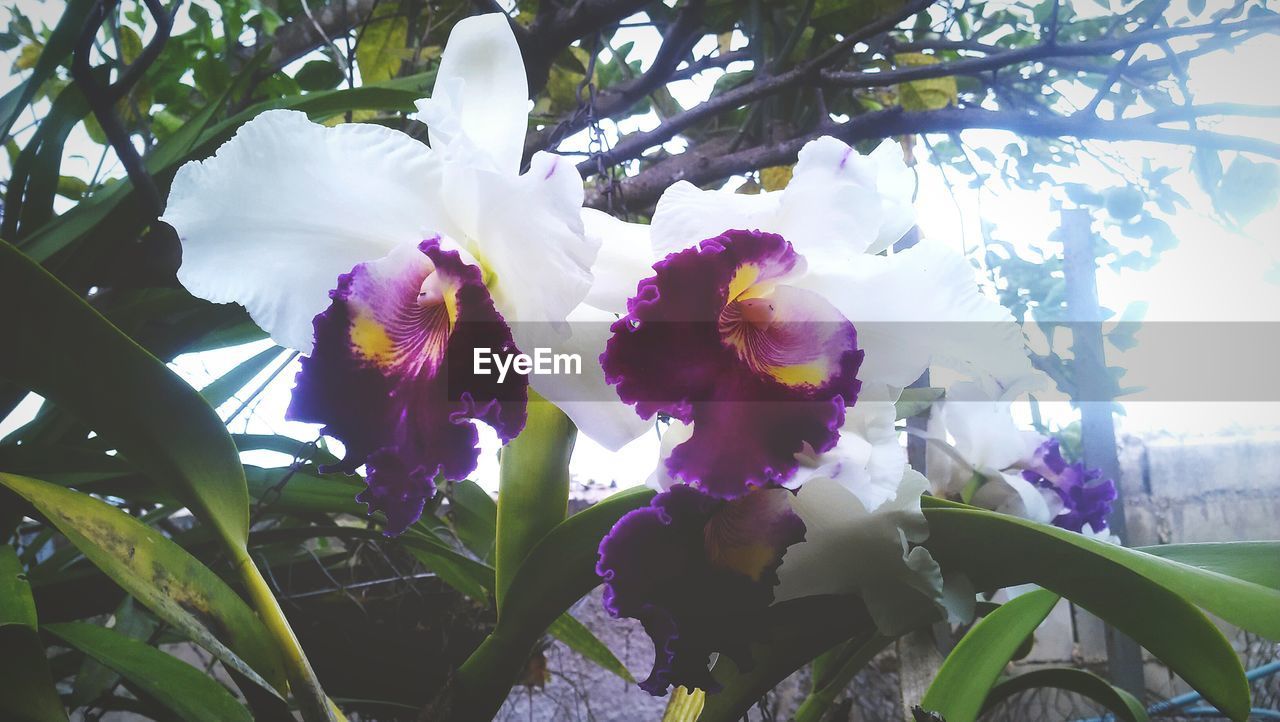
[
  {"x": 698, "y": 573},
  {"x": 391, "y": 376},
  {"x": 718, "y": 340},
  {"x": 1086, "y": 498}
]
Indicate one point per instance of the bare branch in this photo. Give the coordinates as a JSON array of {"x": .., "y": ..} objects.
[
  {"x": 635, "y": 144},
  {"x": 677, "y": 43},
  {"x": 708, "y": 162}
]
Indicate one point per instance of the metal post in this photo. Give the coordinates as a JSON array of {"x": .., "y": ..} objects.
[
  {"x": 919, "y": 658},
  {"x": 1093, "y": 397}
]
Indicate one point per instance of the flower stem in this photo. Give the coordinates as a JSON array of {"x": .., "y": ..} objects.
[
  {"x": 311, "y": 700},
  {"x": 533, "y": 487}
]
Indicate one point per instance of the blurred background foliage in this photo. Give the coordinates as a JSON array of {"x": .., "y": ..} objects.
[{"x": 96, "y": 122}]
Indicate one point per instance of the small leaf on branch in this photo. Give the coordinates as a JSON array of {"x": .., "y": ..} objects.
[
  {"x": 379, "y": 54},
  {"x": 926, "y": 94}
]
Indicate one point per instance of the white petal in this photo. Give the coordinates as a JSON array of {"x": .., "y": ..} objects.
[
  {"x": 529, "y": 238},
  {"x": 676, "y": 433},
  {"x": 686, "y": 216},
  {"x": 592, "y": 404},
  {"x": 1009, "y": 493},
  {"x": 984, "y": 431},
  {"x": 896, "y": 184},
  {"x": 868, "y": 460},
  {"x": 625, "y": 258},
  {"x": 920, "y": 306},
  {"x": 481, "y": 94},
  {"x": 850, "y": 550},
  {"x": 831, "y": 210},
  {"x": 287, "y": 205}
]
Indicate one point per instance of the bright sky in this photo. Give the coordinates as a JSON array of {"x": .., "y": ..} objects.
[{"x": 1215, "y": 274}]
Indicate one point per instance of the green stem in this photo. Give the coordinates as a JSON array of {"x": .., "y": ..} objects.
[
  {"x": 851, "y": 658},
  {"x": 533, "y": 488},
  {"x": 312, "y": 702}
]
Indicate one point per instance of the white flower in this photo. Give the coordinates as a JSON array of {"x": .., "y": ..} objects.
[
  {"x": 976, "y": 450},
  {"x": 287, "y": 205},
  {"x": 913, "y": 308}
]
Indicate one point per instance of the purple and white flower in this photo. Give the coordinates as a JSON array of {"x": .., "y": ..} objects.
[{"x": 405, "y": 256}]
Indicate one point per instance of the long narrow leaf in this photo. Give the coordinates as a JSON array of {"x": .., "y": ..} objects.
[
  {"x": 26, "y": 687},
  {"x": 1124, "y": 705},
  {"x": 1142, "y": 595},
  {"x": 577, "y": 637},
  {"x": 971, "y": 669},
  {"x": 91, "y": 369},
  {"x": 187, "y": 691},
  {"x": 160, "y": 574}
]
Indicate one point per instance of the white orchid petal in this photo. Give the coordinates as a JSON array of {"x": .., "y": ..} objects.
[
  {"x": 584, "y": 397},
  {"x": 896, "y": 184},
  {"x": 686, "y": 216},
  {"x": 984, "y": 431},
  {"x": 1009, "y": 493},
  {"x": 625, "y": 258},
  {"x": 850, "y": 550},
  {"x": 923, "y": 306},
  {"x": 830, "y": 210},
  {"x": 676, "y": 433},
  {"x": 481, "y": 94},
  {"x": 287, "y": 205},
  {"x": 529, "y": 238},
  {"x": 868, "y": 460}
]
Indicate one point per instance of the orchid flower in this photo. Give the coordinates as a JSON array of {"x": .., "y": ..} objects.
[
  {"x": 992, "y": 463},
  {"x": 698, "y": 572},
  {"x": 407, "y": 257},
  {"x": 762, "y": 338}
]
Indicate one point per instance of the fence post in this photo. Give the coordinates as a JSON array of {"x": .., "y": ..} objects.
[{"x": 1095, "y": 401}]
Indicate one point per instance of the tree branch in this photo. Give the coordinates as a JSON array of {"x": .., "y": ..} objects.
[
  {"x": 677, "y": 43},
  {"x": 708, "y": 162},
  {"x": 635, "y": 144}
]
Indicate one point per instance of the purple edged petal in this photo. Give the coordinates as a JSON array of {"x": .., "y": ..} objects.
[
  {"x": 1085, "y": 499},
  {"x": 391, "y": 375},
  {"x": 714, "y": 340},
  {"x": 698, "y": 573}
]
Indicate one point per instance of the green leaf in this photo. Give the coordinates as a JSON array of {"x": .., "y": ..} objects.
[
  {"x": 973, "y": 666},
  {"x": 473, "y": 516},
  {"x": 798, "y": 631},
  {"x": 56, "y": 49},
  {"x": 127, "y": 395},
  {"x": 26, "y": 687},
  {"x": 926, "y": 94},
  {"x": 915, "y": 401},
  {"x": 94, "y": 678},
  {"x": 1254, "y": 562},
  {"x": 557, "y": 572},
  {"x": 159, "y": 574},
  {"x": 381, "y": 48},
  {"x": 468, "y": 576},
  {"x": 221, "y": 389},
  {"x": 577, "y": 637},
  {"x": 188, "y": 691},
  {"x": 1087, "y": 684},
  {"x": 319, "y": 75},
  {"x": 533, "y": 488},
  {"x": 1140, "y": 594},
  {"x": 833, "y": 671}
]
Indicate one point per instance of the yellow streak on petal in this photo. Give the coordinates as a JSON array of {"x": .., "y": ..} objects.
[
  {"x": 370, "y": 339},
  {"x": 749, "y": 560},
  {"x": 813, "y": 373},
  {"x": 743, "y": 279}
]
